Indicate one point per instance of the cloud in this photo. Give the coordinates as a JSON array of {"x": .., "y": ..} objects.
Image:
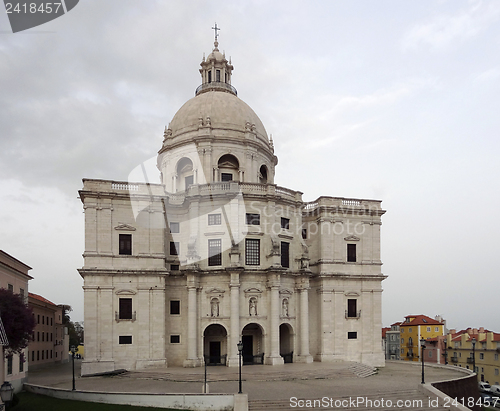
[{"x": 441, "y": 31}]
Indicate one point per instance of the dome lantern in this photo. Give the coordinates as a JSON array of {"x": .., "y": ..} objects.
[{"x": 216, "y": 71}]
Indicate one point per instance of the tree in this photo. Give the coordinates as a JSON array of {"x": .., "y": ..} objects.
[
  {"x": 75, "y": 330},
  {"x": 18, "y": 321}
]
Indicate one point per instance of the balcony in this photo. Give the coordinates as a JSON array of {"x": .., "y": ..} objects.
[
  {"x": 454, "y": 359},
  {"x": 470, "y": 360},
  {"x": 353, "y": 315}
]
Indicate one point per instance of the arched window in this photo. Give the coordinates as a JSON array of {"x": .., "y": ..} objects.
[
  {"x": 184, "y": 174},
  {"x": 228, "y": 167},
  {"x": 263, "y": 174}
]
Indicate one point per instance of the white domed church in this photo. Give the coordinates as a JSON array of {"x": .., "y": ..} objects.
[{"x": 181, "y": 267}]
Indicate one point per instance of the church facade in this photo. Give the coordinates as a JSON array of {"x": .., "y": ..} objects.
[{"x": 213, "y": 253}]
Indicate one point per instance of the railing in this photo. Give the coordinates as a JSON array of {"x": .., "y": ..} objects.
[
  {"x": 470, "y": 360},
  {"x": 410, "y": 344},
  {"x": 356, "y": 314},
  {"x": 215, "y": 359},
  {"x": 215, "y": 85},
  {"x": 287, "y": 358},
  {"x": 253, "y": 359},
  {"x": 454, "y": 359},
  {"x": 124, "y": 186}
]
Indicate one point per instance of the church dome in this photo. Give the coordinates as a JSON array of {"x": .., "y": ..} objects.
[{"x": 223, "y": 110}]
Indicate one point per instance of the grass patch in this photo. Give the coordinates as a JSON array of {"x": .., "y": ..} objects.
[{"x": 34, "y": 402}]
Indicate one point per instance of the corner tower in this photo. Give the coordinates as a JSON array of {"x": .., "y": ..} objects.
[{"x": 215, "y": 136}]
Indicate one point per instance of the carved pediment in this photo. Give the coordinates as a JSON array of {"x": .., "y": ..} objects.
[
  {"x": 352, "y": 238},
  {"x": 227, "y": 164},
  {"x": 253, "y": 290},
  {"x": 124, "y": 227},
  {"x": 286, "y": 293},
  {"x": 351, "y": 294},
  {"x": 125, "y": 292},
  {"x": 215, "y": 291}
]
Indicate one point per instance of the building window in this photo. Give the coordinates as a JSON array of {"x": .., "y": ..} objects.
[
  {"x": 125, "y": 307},
  {"x": 174, "y": 228},
  {"x": 125, "y": 339},
  {"x": 496, "y": 371},
  {"x": 33, "y": 356},
  {"x": 210, "y": 76},
  {"x": 481, "y": 356},
  {"x": 38, "y": 355},
  {"x": 226, "y": 177},
  {"x": 21, "y": 292},
  {"x": 175, "y": 307},
  {"x": 352, "y": 335},
  {"x": 215, "y": 252},
  {"x": 174, "y": 248},
  {"x": 43, "y": 319},
  {"x": 428, "y": 329},
  {"x": 174, "y": 267},
  {"x": 10, "y": 287},
  {"x": 43, "y": 354},
  {"x": 125, "y": 244},
  {"x": 351, "y": 253},
  {"x": 496, "y": 357},
  {"x": 304, "y": 233},
  {"x": 430, "y": 353},
  {"x": 402, "y": 340},
  {"x": 188, "y": 181},
  {"x": 352, "y": 308},
  {"x": 214, "y": 219},
  {"x": 402, "y": 350},
  {"x": 217, "y": 75},
  {"x": 253, "y": 219},
  {"x": 175, "y": 339},
  {"x": 436, "y": 329},
  {"x": 285, "y": 255},
  {"x": 252, "y": 251},
  {"x": 38, "y": 319},
  {"x": 43, "y": 336},
  {"x": 285, "y": 223},
  {"x": 9, "y": 364}
]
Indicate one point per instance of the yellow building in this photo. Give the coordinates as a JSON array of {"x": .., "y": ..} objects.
[
  {"x": 413, "y": 329},
  {"x": 486, "y": 352}
]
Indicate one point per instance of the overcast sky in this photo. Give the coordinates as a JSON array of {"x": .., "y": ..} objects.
[{"x": 391, "y": 100}]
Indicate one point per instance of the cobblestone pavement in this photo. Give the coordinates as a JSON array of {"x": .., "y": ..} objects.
[{"x": 270, "y": 388}]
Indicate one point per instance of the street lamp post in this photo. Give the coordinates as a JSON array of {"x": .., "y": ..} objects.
[
  {"x": 240, "y": 349},
  {"x": 473, "y": 354},
  {"x": 205, "y": 386},
  {"x": 73, "y": 351},
  {"x": 6, "y": 393},
  {"x": 422, "y": 346}
]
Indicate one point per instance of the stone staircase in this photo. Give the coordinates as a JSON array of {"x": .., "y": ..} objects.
[
  {"x": 408, "y": 400},
  {"x": 362, "y": 370}
]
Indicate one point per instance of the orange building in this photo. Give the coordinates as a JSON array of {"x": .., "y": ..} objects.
[{"x": 50, "y": 339}]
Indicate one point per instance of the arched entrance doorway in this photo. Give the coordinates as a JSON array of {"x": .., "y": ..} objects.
[
  {"x": 253, "y": 344},
  {"x": 215, "y": 345},
  {"x": 286, "y": 343}
]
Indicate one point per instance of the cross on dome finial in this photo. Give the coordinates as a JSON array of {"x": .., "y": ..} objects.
[{"x": 216, "y": 29}]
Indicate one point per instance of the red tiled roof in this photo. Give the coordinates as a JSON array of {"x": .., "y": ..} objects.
[
  {"x": 40, "y": 298},
  {"x": 384, "y": 330},
  {"x": 421, "y": 320}
]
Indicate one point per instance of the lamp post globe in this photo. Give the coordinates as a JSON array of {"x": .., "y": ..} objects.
[{"x": 6, "y": 392}]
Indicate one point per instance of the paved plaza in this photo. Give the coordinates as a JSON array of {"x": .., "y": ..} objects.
[{"x": 270, "y": 388}]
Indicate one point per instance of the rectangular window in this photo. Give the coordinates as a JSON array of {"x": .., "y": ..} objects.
[
  {"x": 436, "y": 329},
  {"x": 496, "y": 371},
  {"x": 175, "y": 339},
  {"x": 214, "y": 252},
  {"x": 226, "y": 177},
  {"x": 174, "y": 228},
  {"x": 210, "y": 76},
  {"x": 252, "y": 251},
  {"x": 43, "y": 319},
  {"x": 174, "y": 267},
  {"x": 38, "y": 319},
  {"x": 352, "y": 308},
  {"x": 402, "y": 340},
  {"x": 496, "y": 357},
  {"x": 21, "y": 292},
  {"x": 253, "y": 219},
  {"x": 125, "y": 307},
  {"x": 351, "y": 253},
  {"x": 9, "y": 364},
  {"x": 188, "y": 181},
  {"x": 43, "y": 336},
  {"x": 38, "y": 335},
  {"x": 352, "y": 335},
  {"x": 175, "y": 307},
  {"x": 125, "y": 339},
  {"x": 174, "y": 248},
  {"x": 304, "y": 233},
  {"x": 217, "y": 75},
  {"x": 481, "y": 356},
  {"x": 10, "y": 287},
  {"x": 125, "y": 244},
  {"x": 43, "y": 355},
  {"x": 285, "y": 255},
  {"x": 428, "y": 329},
  {"x": 285, "y": 223},
  {"x": 214, "y": 219},
  {"x": 38, "y": 355}
]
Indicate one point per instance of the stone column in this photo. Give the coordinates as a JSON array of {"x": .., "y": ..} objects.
[
  {"x": 304, "y": 355},
  {"x": 234, "y": 332},
  {"x": 192, "y": 359},
  {"x": 274, "y": 356}
]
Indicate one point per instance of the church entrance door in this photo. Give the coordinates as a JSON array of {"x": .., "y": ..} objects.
[
  {"x": 247, "y": 352},
  {"x": 215, "y": 344}
]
